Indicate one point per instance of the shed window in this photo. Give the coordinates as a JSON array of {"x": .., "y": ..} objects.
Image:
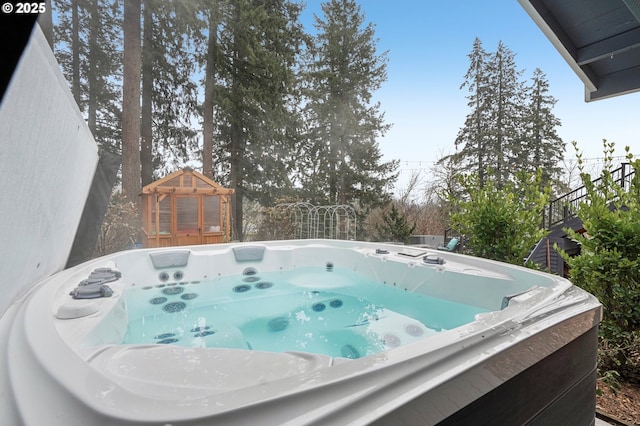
[
  {"x": 165, "y": 216},
  {"x": 212, "y": 214}
]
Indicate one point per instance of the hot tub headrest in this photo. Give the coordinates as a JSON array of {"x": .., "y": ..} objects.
[
  {"x": 170, "y": 259},
  {"x": 248, "y": 253}
]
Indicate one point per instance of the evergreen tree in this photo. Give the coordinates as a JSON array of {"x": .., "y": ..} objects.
[
  {"x": 510, "y": 128},
  {"x": 344, "y": 70},
  {"x": 213, "y": 16},
  {"x": 88, "y": 41},
  {"x": 395, "y": 227},
  {"x": 542, "y": 148},
  {"x": 169, "y": 95},
  {"x": 67, "y": 45},
  {"x": 473, "y": 137},
  {"x": 255, "y": 81},
  {"x": 505, "y": 114}
]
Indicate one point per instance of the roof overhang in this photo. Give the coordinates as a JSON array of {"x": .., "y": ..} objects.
[{"x": 600, "y": 40}]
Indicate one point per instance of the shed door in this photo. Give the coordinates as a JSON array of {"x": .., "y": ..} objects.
[{"x": 188, "y": 220}]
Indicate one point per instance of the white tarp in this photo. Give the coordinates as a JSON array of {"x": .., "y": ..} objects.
[{"x": 47, "y": 161}]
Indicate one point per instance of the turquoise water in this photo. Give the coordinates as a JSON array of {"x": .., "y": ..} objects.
[{"x": 330, "y": 312}]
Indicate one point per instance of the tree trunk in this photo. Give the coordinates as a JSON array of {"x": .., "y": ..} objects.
[
  {"x": 146, "y": 130},
  {"x": 333, "y": 164},
  {"x": 237, "y": 142},
  {"x": 236, "y": 177},
  {"x": 131, "y": 101},
  {"x": 209, "y": 87},
  {"x": 479, "y": 135},
  {"x": 75, "y": 49},
  {"x": 92, "y": 77},
  {"x": 342, "y": 185}
]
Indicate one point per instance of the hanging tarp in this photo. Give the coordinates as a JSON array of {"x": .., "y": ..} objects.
[{"x": 95, "y": 208}]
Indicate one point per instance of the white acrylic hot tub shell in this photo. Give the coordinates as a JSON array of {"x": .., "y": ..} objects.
[{"x": 70, "y": 382}]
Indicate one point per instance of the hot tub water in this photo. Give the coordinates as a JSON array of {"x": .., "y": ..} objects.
[{"x": 334, "y": 312}]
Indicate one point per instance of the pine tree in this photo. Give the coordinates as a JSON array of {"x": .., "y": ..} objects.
[
  {"x": 395, "y": 227},
  {"x": 506, "y": 113},
  {"x": 67, "y": 45},
  {"x": 169, "y": 94},
  {"x": 511, "y": 127},
  {"x": 473, "y": 136},
  {"x": 344, "y": 71},
  {"x": 253, "y": 97},
  {"x": 88, "y": 42},
  {"x": 542, "y": 147}
]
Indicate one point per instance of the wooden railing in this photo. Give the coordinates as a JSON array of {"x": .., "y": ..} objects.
[{"x": 564, "y": 207}]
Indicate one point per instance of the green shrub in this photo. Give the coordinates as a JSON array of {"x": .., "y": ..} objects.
[
  {"x": 275, "y": 224},
  {"x": 501, "y": 223},
  {"x": 609, "y": 262}
]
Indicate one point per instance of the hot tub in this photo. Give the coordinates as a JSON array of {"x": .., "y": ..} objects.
[
  {"x": 290, "y": 332},
  {"x": 299, "y": 332}
]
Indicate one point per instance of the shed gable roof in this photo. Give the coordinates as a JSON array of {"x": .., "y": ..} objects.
[{"x": 176, "y": 183}]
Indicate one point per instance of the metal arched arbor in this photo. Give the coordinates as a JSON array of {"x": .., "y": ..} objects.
[{"x": 336, "y": 222}]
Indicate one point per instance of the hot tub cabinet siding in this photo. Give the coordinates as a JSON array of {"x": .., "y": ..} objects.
[{"x": 557, "y": 390}]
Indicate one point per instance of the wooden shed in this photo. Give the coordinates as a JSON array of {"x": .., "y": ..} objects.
[{"x": 185, "y": 208}]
